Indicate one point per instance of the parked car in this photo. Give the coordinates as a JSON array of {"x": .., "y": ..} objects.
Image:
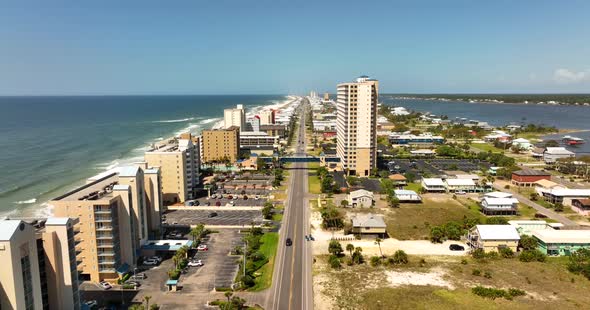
[
  {"x": 138, "y": 276},
  {"x": 134, "y": 283},
  {"x": 460, "y": 193},
  {"x": 197, "y": 203},
  {"x": 105, "y": 285},
  {"x": 190, "y": 203},
  {"x": 203, "y": 247},
  {"x": 456, "y": 247},
  {"x": 212, "y": 214},
  {"x": 91, "y": 303},
  {"x": 158, "y": 258},
  {"x": 236, "y": 197},
  {"x": 195, "y": 263},
  {"x": 150, "y": 262},
  {"x": 289, "y": 242},
  {"x": 311, "y": 238}
]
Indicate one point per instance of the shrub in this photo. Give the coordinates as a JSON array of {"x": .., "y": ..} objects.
[
  {"x": 174, "y": 274},
  {"x": 506, "y": 252},
  {"x": 476, "y": 272},
  {"x": 516, "y": 292},
  {"x": 493, "y": 293},
  {"x": 463, "y": 262},
  {"x": 375, "y": 261},
  {"x": 335, "y": 248},
  {"x": 492, "y": 255},
  {"x": 531, "y": 256},
  {"x": 334, "y": 261},
  {"x": 478, "y": 253},
  {"x": 436, "y": 235},
  {"x": 496, "y": 221},
  {"x": 400, "y": 257},
  {"x": 487, "y": 274},
  {"x": 528, "y": 242},
  {"x": 506, "y": 186},
  {"x": 558, "y": 207},
  {"x": 579, "y": 262}
]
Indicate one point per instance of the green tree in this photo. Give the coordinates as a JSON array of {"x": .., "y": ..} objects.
[
  {"x": 335, "y": 248},
  {"x": 350, "y": 248},
  {"x": 147, "y": 298},
  {"x": 400, "y": 257},
  {"x": 437, "y": 234},
  {"x": 357, "y": 256},
  {"x": 334, "y": 261},
  {"x": 527, "y": 242},
  {"x": 378, "y": 243},
  {"x": 344, "y": 203}
]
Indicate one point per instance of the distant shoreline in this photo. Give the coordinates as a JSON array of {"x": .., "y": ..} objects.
[{"x": 573, "y": 100}]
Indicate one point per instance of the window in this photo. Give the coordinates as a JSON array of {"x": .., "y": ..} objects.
[{"x": 27, "y": 282}]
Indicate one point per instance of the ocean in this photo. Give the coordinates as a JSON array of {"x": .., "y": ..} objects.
[
  {"x": 500, "y": 114},
  {"x": 49, "y": 145}
]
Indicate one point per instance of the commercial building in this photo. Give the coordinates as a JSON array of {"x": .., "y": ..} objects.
[
  {"x": 234, "y": 117},
  {"x": 552, "y": 154},
  {"x": 39, "y": 264},
  {"x": 456, "y": 185},
  {"x": 178, "y": 160},
  {"x": 357, "y": 125},
  {"x": 221, "y": 144},
  {"x": 561, "y": 242},
  {"x": 565, "y": 196},
  {"x": 528, "y": 177},
  {"x": 252, "y": 124},
  {"x": 114, "y": 220},
  {"x": 361, "y": 198},
  {"x": 369, "y": 224},
  {"x": 493, "y": 237},
  {"x": 499, "y": 206}
]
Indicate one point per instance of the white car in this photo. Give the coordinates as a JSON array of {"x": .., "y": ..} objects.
[
  {"x": 460, "y": 193},
  {"x": 150, "y": 262},
  {"x": 105, "y": 285},
  {"x": 195, "y": 263},
  {"x": 203, "y": 247},
  {"x": 158, "y": 258}
]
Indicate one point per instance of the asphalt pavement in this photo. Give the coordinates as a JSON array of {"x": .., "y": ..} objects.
[{"x": 292, "y": 287}]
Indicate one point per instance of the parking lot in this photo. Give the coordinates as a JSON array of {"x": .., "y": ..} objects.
[
  {"x": 204, "y": 202},
  {"x": 436, "y": 167},
  {"x": 223, "y": 217}
]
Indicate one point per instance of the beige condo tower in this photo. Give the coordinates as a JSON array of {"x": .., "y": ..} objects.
[{"x": 356, "y": 126}]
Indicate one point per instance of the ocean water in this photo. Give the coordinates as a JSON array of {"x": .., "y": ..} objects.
[
  {"x": 48, "y": 145},
  {"x": 496, "y": 114}
]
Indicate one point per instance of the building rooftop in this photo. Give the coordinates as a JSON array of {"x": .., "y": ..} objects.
[
  {"x": 58, "y": 221},
  {"x": 404, "y": 192},
  {"x": 497, "y": 195},
  {"x": 558, "y": 151},
  {"x": 97, "y": 189},
  {"x": 128, "y": 171},
  {"x": 531, "y": 172},
  {"x": 360, "y": 193},
  {"x": 8, "y": 228},
  {"x": 572, "y": 192},
  {"x": 547, "y": 184},
  {"x": 368, "y": 220},
  {"x": 397, "y": 177},
  {"x": 562, "y": 236},
  {"x": 166, "y": 245},
  {"x": 497, "y": 232},
  {"x": 499, "y": 201},
  {"x": 433, "y": 182},
  {"x": 460, "y": 182}
]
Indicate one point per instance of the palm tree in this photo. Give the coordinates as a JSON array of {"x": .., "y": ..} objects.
[
  {"x": 350, "y": 248},
  {"x": 378, "y": 242},
  {"x": 147, "y": 298},
  {"x": 228, "y": 295},
  {"x": 176, "y": 260}
]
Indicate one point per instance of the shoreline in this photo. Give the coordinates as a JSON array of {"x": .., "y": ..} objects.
[
  {"x": 491, "y": 101},
  {"x": 40, "y": 207}
]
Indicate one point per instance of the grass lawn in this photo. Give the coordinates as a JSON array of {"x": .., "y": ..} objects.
[
  {"x": 548, "y": 285},
  {"x": 314, "y": 185},
  {"x": 486, "y": 147},
  {"x": 414, "y": 187},
  {"x": 414, "y": 221},
  {"x": 269, "y": 245},
  {"x": 277, "y": 217},
  {"x": 313, "y": 165}
]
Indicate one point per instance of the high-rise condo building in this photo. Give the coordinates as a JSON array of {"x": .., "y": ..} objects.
[
  {"x": 221, "y": 144},
  {"x": 114, "y": 219},
  {"x": 267, "y": 117},
  {"x": 356, "y": 125},
  {"x": 179, "y": 160},
  {"x": 253, "y": 124},
  {"x": 235, "y": 117},
  {"x": 39, "y": 266}
]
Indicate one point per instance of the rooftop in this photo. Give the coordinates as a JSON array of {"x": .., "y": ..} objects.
[
  {"x": 497, "y": 232},
  {"x": 558, "y": 151},
  {"x": 166, "y": 245},
  {"x": 500, "y": 201},
  {"x": 368, "y": 220},
  {"x": 8, "y": 228},
  {"x": 96, "y": 189},
  {"x": 531, "y": 172},
  {"x": 404, "y": 192},
  {"x": 433, "y": 182},
  {"x": 498, "y": 195},
  {"x": 460, "y": 182},
  {"x": 563, "y": 236}
]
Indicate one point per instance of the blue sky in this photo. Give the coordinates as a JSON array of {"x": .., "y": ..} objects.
[{"x": 240, "y": 47}]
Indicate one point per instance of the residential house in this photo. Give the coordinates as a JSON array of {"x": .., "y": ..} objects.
[
  {"x": 582, "y": 206},
  {"x": 361, "y": 198},
  {"x": 561, "y": 242},
  {"x": 455, "y": 185},
  {"x": 522, "y": 143},
  {"x": 528, "y": 177},
  {"x": 499, "y": 206},
  {"x": 404, "y": 195},
  {"x": 552, "y": 154},
  {"x": 497, "y": 195},
  {"x": 398, "y": 180},
  {"x": 433, "y": 185},
  {"x": 368, "y": 224},
  {"x": 493, "y": 237}
]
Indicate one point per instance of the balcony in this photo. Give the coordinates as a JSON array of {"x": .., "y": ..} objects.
[
  {"x": 102, "y": 211},
  {"x": 103, "y": 220},
  {"x": 104, "y": 228},
  {"x": 106, "y": 254}
]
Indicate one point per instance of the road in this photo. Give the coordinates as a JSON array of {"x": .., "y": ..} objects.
[{"x": 292, "y": 287}]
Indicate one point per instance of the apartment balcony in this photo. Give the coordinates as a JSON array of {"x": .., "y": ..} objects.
[
  {"x": 105, "y": 246},
  {"x": 104, "y": 228},
  {"x": 103, "y": 220},
  {"x": 104, "y": 237},
  {"x": 106, "y": 262},
  {"x": 106, "y": 254},
  {"x": 103, "y": 211}
]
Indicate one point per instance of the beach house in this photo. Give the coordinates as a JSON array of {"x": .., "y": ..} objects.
[
  {"x": 456, "y": 185},
  {"x": 433, "y": 184},
  {"x": 527, "y": 227},
  {"x": 493, "y": 237},
  {"x": 552, "y": 154},
  {"x": 369, "y": 224},
  {"x": 561, "y": 242},
  {"x": 499, "y": 206},
  {"x": 522, "y": 143},
  {"x": 361, "y": 198}
]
